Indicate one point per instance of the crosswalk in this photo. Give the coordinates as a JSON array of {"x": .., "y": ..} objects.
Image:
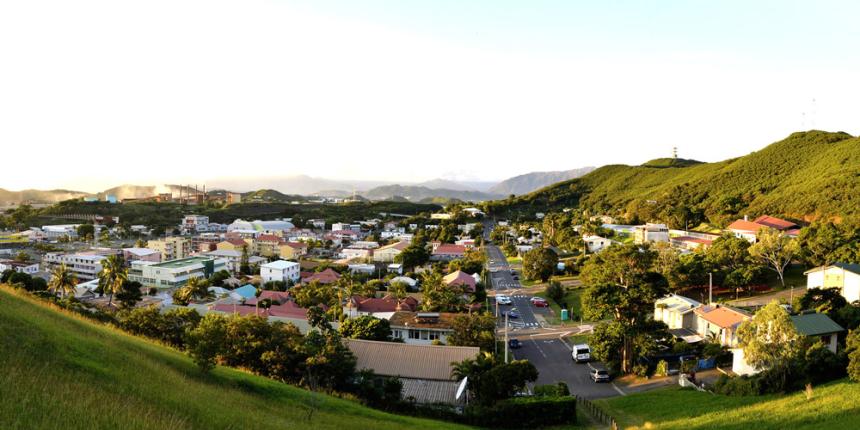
[{"x": 520, "y": 324}]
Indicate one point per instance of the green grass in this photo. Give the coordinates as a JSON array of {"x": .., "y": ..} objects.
[
  {"x": 833, "y": 406},
  {"x": 515, "y": 260},
  {"x": 60, "y": 371},
  {"x": 573, "y": 298}
]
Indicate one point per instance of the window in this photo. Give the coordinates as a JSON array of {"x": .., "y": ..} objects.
[
  {"x": 434, "y": 335},
  {"x": 414, "y": 334}
]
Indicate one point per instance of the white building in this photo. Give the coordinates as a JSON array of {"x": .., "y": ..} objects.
[
  {"x": 195, "y": 223},
  {"x": 54, "y": 232},
  {"x": 234, "y": 259},
  {"x": 596, "y": 244},
  {"x": 844, "y": 276},
  {"x": 280, "y": 270},
  {"x": 28, "y": 268},
  {"x": 85, "y": 266},
  {"x": 174, "y": 273},
  {"x": 650, "y": 233},
  {"x": 351, "y": 253},
  {"x": 677, "y": 312},
  {"x": 277, "y": 227}
]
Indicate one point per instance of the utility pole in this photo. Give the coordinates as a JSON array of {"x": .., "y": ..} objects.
[
  {"x": 506, "y": 337},
  {"x": 711, "y": 288}
]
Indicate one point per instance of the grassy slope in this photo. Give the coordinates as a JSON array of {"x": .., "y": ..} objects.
[
  {"x": 807, "y": 174},
  {"x": 61, "y": 371},
  {"x": 834, "y": 406}
]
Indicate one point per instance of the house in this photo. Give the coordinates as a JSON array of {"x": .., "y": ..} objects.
[
  {"x": 142, "y": 254},
  {"x": 844, "y": 276},
  {"x": 388, "y": 253},
  {"x": 690, "y": 242},
  {"x": 380, "y": 308},
  {"x": 327, "y": 276},
  {"x": 234, "y": 259},
  {"x": 171, "y": 248},
  {"x": 424, "y": 371},
  {"x": 17, "y": 266},
  {"x": 268, "y": 245},
  {"x": 746, "y": 229},
  {"x": 595, "y": 244},
  {"x": 234, "y": 244},
  {"x": 421, "y": 328},
  {"x": 355, "y": 253},
  {"x": 650, "y": 233},
  {"x": 245, "y": 292},
  {"x": 281, "y": 270},
  {"x": 719, "y": 322},
  {"x": 365, "y": 269},
  {"x": 195, "y": 223},
  {"x": 174, "y": 273},
  {"x": 460, "y": 279},
  {"x": 677, "y": 312},
  {"x": 814, "y": 325},
  {"x": 292, "y": 250},
  {"x": 395, "y": 268},
  {"x": 447, "y": 252},
  {"x": 288, "y": 312}
]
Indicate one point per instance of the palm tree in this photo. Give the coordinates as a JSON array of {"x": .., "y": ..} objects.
[
  {"x": 63, "y": 281},
  {"x": 112, "y": 276},
  {"x": 398, "y": 290},
  {"x": 194, "y": 289}
]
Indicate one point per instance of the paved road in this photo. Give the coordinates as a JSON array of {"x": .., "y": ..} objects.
[
  {"x": 553, "y": 360},
  {"x": 504, "y": 283}
]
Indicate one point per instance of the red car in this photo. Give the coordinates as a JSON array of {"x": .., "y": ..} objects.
[{"x": 539, "y": 302}]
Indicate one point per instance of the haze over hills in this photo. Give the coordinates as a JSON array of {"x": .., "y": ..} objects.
[
  {"x": 416, "y": 193},
  {"x": 809, "y": 175},
  {"x": 529, "y": 182}
]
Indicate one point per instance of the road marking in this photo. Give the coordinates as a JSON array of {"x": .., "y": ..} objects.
[
  {"x": 539, "y": 348},
  {"x": 618, "y": 389}
]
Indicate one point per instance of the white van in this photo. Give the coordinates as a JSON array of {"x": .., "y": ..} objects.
[{"x": 581, "y": 353}]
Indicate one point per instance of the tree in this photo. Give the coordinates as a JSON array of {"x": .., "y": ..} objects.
[
  {"x": 194, "y": 289},
  {"x": 244, "y": 265},
  {"x": 619, "y": 264},
  {"x": 129, "y": 294},
  {"x": 207, "y": 341},
  {"x": 853, "y": 349},
  {"x": 62, "y": 281},
  {"x": 819, "y": 243},
  {"x": 112, "y": 276},
  {"x": 555, "y": 291},
  {"x": 413, "y": 255},
  {"x": 474, "y": 369},
  {"x": 539, "y": 263},
  {"x": 438, "y": 297},
  {"x": 22, "y": 257},
  {"x": 505, "y": 380},
  {"x": 366, "y": 327},
  {"x": 769, "y": 340},
  {"x": 775, "y": 249},
  {"x": 474, "y": 330},
  {"x": 86, "y": 231},
  {"x": 398, "y": 290},
  {"x": 822, "y": 300}
]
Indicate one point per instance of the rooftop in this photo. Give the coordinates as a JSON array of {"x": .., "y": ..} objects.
[
  {"x": 722, "y": 316},
  {"x": 280, "y": 264},
  {"x": 444, "y": 320},
  {"x": 409, "y": 361},
  {"x": 815, "y": 324},
  {"x": 182, "y": 262}
]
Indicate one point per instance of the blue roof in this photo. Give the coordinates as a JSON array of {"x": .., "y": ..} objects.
[{"x": 246, "y": 291}]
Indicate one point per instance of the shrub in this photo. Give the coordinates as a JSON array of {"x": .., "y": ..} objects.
[
  {"x": 640, "y": 370},
  {"x": 737, "y": 386},
  {"x": 662, "y": 368},
  {"x": 551, "y": 390}
]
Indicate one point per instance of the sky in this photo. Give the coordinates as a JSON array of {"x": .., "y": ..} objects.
[{"x": 99, "y": 93}]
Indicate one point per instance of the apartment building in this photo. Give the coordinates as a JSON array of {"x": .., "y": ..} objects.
[{"x": 171, "y": 248}]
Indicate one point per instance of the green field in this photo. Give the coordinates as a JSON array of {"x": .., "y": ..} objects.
[
  {"x": 833, "y": 406},
  {"x": 573, "y": 298},
  {"x": 61, "y": 371}
]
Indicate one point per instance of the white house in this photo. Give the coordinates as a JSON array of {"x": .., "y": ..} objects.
[
  {"x": 844, "y": 276},
  {"x": 28, "y": 268},
  {"x": 650, "y": 233},
  {"x": 677, "y": 312},
  {"x": 280, "y": 270},
  {"x": 595, "y": 244}
]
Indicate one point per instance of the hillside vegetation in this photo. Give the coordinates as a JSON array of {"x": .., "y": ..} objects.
[
  {"x": 833, "y": 406},
  {"x": 59, "y": 371},
  {"x": 807, "y": 176}
]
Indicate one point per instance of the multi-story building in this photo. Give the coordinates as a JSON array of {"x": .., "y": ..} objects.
[
  {"x": 234, "y": 259},
  {"x": 650, "y": 233},
  {"x": 195, "y": 222},
  {"x": 174, "y": 273},
  {"x": 85, "y": 266},
  {"x": 145, "y": 254},
  {"x": 171, "y": 248},
  {"x": 54, "y": 232},
  {"x": 280, "y": 271},
  {"x": 28, "y": 268}
]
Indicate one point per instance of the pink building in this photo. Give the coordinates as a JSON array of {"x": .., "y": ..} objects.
[{"x": 141, "y": 254}]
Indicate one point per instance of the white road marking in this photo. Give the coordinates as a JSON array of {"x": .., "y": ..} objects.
[
  {"x": 618, "y": 389},
  {"x": 539, "y": 348}
]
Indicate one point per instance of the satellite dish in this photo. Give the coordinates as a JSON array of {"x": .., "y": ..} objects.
[{"x": 462, "y": 388}]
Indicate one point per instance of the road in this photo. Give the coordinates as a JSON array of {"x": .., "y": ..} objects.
[
  {"x": 503, "y": 283},
  {"x": 552, "y": 358}
]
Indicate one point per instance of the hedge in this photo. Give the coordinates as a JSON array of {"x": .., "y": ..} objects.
[{"x": 524, "y": 412}]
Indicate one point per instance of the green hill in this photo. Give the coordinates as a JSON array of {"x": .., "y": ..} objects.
[
  {"x": 60, "y": 371},
  {"x": 833, "y": 406},
  {"x": 808, "y": 175}
]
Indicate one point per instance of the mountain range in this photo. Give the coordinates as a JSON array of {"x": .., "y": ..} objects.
[{"x": 529, "y": 182}]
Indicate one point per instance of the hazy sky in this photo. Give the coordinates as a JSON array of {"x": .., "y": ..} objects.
[{"x": 97, "y": 93}]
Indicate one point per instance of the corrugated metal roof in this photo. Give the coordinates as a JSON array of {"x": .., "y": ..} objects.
[
  {"x": 426, "y": 391},
  {"x": 409, "y": 361},
  {"x": 815, "y": 324}
]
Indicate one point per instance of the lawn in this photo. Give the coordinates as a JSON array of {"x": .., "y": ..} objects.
[
  {"x": 515, "y": 260},
  {"x": 833, "y": 406},
  {"x": 61, "y": 371},
  {"x": 574, "y": 302}
]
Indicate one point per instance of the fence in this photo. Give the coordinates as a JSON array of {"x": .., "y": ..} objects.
[{"x": 596, "y": 412}]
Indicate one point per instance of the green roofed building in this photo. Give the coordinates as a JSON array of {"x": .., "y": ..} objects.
[
  {"x": 818, "y": 325},
  {"x": 174, "y": 273}
]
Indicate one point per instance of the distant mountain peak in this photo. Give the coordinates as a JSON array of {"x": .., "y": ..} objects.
[{"x": 524, "y": 184}]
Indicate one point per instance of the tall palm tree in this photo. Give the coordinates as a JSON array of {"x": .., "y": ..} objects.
[
  {"x": 112, "y": 276},
  {"x": 194, "y": 289},
  {"x": 62, "y": 281}
]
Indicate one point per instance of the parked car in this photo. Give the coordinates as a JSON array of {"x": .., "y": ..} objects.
[
  {"x": 581, "y": 353},
  {"x": 514, "y": 344},
  {"x": 598, "y": 374},
  {"x": 512, "y": 314},
  {"x": 504, "y": 300},
  {"x": 539, "y": 302}
]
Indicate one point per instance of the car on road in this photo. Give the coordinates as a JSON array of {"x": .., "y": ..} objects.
[
  {"x": 512, "y": 314},
  {"x": 598, "y": 374},
  {"x": 504, "y": 300},
  {"x": 539, "y": 302},
  {"x": 581, "y": 353},
  {"x": 515, "y": 278},
  {"x": 515, "y": 344}
]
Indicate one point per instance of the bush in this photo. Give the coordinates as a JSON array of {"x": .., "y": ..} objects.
[
  {"x": 524, "y": 412},
  {"x": 662, "y": 368},
  {"x": 555, "y": 292},
  {"x": 640, "y": 370},
  {"x": 552, "y": 390},
  {"x": 738, "y": 386}
]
